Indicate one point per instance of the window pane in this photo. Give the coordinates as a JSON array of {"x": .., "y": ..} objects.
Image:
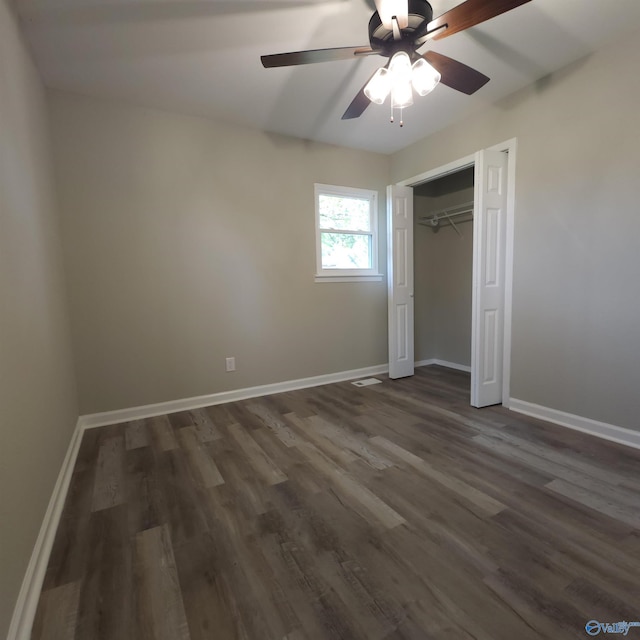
[
  {"x": 341, "y": 212},
  {"x": 345, "y": 251}
]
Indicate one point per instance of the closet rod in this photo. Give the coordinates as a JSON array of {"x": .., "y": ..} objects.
[
  {"x": 467, "y": 207},
  {"x": 437, "y": 221},
  {"x": 445, "y": 216}
]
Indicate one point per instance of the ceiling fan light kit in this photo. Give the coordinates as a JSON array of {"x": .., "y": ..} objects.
[
  {"x": 400, "y": 80},
  {"x": 396, "y": 31}
]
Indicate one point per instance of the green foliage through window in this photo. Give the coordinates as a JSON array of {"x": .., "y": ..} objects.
[
  {"x": 346, "y": 251},
  {"x": 340, "y": 213},
  {"x": 346, "y": 230}
]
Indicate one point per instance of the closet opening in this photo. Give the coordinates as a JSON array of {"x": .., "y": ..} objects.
[{"x": 443, "y": 269}]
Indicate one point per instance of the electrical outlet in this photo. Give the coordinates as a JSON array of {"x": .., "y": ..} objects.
[{"x": 230, "y": 363}]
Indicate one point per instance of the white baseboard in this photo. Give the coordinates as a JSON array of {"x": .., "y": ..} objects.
[
  {"x": 443, "y": 363},
  {"x": 25, "y": 609},
  {"x": 185, "y": 404},
  {"x": 611, "y": 432},
  {"x": 92, "y": 420}
]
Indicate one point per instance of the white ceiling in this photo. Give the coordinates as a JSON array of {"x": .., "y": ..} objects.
[{"x": 202, "y": 57}]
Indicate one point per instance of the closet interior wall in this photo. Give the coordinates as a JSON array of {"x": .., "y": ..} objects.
[{"x": 443, "y": 272}]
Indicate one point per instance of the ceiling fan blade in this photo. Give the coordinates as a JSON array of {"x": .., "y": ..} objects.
[
  {"x": 388, "y": 9},
  {"x": 456, "y": 75},
  {"x": 360, "y": 102},
  {"x": 357, "y": 106},
  {"x": 315, "y": 55},
  {"x": 470, "y": 13}
]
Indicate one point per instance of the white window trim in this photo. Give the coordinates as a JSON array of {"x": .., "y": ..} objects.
[{"x": 348, "y": 275}]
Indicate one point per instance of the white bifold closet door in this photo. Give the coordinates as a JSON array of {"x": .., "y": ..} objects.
[
  {"x": 400, "y": 280},
  {"x": 489, "y": 230}
]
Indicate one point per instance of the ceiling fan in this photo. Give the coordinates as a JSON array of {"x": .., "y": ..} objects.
[{"x": 396, "y": 31}]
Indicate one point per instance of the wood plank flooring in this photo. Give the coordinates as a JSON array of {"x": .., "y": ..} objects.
[{"x": 394, "y": 511}]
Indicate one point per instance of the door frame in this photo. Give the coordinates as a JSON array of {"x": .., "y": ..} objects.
[{"x": 510, "y": 148}]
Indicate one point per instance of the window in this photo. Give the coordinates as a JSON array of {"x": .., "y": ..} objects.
[{"x": 346, "y": 234}]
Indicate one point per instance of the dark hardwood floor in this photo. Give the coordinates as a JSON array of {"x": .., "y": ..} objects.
[{"x": 391, "y": 511}]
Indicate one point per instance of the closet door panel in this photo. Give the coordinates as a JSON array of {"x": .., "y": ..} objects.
[
  {"x": 490, "y": 219},
  {"x": 400, "y": 280}
]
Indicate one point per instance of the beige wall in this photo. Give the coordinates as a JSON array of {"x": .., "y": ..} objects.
[
  {"x": 576, "y": 310},
  {"x": 443, "y": 269},
  {"x": 37, "y": 390},
  {"x": 423, "y": 263},
  {"x": 188, "y": 240}
]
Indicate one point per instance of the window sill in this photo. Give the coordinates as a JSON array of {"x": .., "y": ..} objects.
[{"x": 374, "y": 277}]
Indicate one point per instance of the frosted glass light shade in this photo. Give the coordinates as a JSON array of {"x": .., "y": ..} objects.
[
  {"x": 400, "y": 67},
  {"x": 400, "y": 71},
  {"x": 401, "y": 95},
  {"x": 378, "y": 87},
  {"x": 424, "y": 77}
]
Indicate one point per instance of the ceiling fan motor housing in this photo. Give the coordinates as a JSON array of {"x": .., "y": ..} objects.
[{"x": 381, "y": 39}]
